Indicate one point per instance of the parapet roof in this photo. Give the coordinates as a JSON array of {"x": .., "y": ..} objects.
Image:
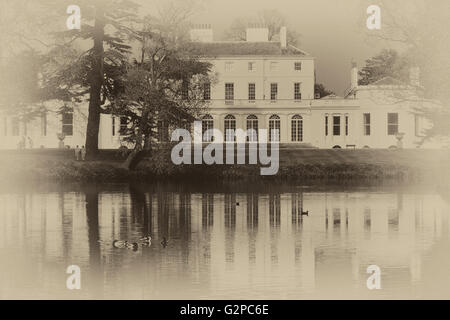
[{"x": 244, "y": 48}]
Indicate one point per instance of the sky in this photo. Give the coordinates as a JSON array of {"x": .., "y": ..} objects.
[{"x": 332, "y": 31}]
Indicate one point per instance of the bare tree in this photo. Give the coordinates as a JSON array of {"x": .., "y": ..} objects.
[{"x": 420, "y": 30}]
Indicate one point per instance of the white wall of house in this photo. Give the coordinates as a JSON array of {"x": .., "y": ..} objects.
[{"x": 263, "y": 76}]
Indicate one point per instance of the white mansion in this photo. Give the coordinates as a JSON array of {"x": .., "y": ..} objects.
[{"x": 261, "y": 85}]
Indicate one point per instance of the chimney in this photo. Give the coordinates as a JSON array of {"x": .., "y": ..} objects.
[
  {"x": 283, "y": 37},
  {"x": 354, "y": 75},
  {"x": 201, "y": 33},
  {"x": 257, "y": 33},
  {"x": 414, "y": 76}
]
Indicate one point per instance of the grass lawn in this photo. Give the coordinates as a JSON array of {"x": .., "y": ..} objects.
[{"x": 60, "y": 165}]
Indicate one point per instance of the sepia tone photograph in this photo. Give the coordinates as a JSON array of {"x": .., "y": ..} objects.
[{"x": 212, "y": 150}]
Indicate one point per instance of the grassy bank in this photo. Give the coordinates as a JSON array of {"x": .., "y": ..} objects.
[{"x": 295, "y": 165}]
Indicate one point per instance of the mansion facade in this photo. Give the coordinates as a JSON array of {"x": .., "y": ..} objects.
[{"x": 261, "y": 85}]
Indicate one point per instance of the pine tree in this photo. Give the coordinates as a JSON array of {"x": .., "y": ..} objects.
[{"x": 96, "y": 71}]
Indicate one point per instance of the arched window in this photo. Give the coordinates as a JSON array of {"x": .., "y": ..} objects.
[
  {"x": 297, "y": 128},
  {"x": 207, "y": 124},
  {"x": 230, "y": 127},
  {"x": 274, "y": 128},
  {"x": 252, "y": 128}
]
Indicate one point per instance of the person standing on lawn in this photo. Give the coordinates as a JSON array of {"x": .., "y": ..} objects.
[
  {"x": 83, "y": 153},
  {"x": 77, "y": 153}
]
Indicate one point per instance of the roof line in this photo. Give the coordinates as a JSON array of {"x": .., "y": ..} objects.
[{"x": 302, "y": 51}]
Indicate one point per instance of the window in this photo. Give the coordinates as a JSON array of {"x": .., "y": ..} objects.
[
  {"x": 230, "y": 127},
  {"x": 274, "y": 128},
  {"x": 251, "y": 92},
  {"x": 15, "y": 126},
  {"x": 366, "y": 117},
  {"x": 346, "y": 125},
  {"x": 123, "y": 126},
  {"x": 229, "y": 66},
  {"x": 5, "y": 126},
  {"x": 297, "y": 91},
  {"x": 392, "y": 124},
  {"x": 229, "y": 92},
  {"x": 113, "y": 125},
  {"x": 297, "y": 128},
  {"x": 336, "y": 126},
  {"x": 252, "y": 128},
  {"x": 297, "y": 66},
  {"x": 207, "y": 91},
  {"x": 44, "y": 124},
  {"x": 251, "y": 66},
  {"x": 326, "y": 125},
  {"x": 273, "y": 66},
  {"x": 273, "y": 91},
  {"x": 207, "y": 125},
  {"x": 67, "y": 123}
]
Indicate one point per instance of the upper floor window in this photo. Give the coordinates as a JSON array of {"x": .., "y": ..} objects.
[
  {"x": 273, "y": 91},
  {"x": 229, "y": 91},
  {"x": 67, "y": 123},
  {"x": 297, "y": 91},
  {"x": 207, "y": 91},
  {"x": 252, "y": 66},
  {"x": 274, "y": 66},
  {"x": 336, "y": 125},
  {"x": 392, "y": 124},
  {"x": 366, "y": 117},
  {"x": 229, "y": 66},
  {"x": 297, "y": 66},
  {"x": 251, "y": 92}
]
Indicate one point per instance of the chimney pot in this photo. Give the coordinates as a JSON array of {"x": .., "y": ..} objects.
[
  {"x": 257, "y": 34},
  {"x": 354, "y": 75},
  {"x": 202, "y": 33}
]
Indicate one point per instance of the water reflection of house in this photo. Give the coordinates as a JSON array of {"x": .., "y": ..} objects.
[{"x": 220, "y": 242}]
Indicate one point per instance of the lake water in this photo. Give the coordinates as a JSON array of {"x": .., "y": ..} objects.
[{"x": 224, "y": 242}]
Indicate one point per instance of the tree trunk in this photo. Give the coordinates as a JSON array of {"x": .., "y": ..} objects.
[
  {"x": 138, "y": 153},
  {"x": 96, "y": 82},
  {"x": 133, "y": 159}
]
